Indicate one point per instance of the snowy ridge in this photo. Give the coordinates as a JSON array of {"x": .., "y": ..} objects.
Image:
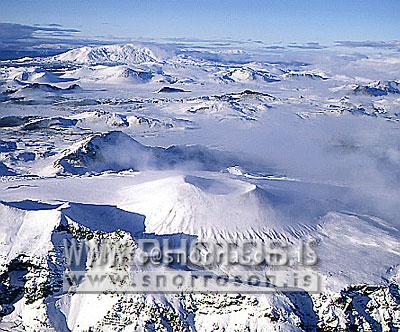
[
  {"x": 378, "y": 88},
  {"x": 117, "y": 151}
]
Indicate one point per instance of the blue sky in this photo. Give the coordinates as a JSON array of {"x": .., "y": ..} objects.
[{"x": 285, "y": 21}]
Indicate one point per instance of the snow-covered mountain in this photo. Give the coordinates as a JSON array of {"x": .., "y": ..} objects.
[
  {"x": 121, "y": 74},
  {"x": 35, "y": 74},
  {"x": 122, "y": 54}
]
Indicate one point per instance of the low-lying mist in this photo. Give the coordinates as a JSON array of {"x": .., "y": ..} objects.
[{"x": 358, "y": 152}]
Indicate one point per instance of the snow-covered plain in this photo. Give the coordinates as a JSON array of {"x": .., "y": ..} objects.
[{"x": 213, "y": 142}]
